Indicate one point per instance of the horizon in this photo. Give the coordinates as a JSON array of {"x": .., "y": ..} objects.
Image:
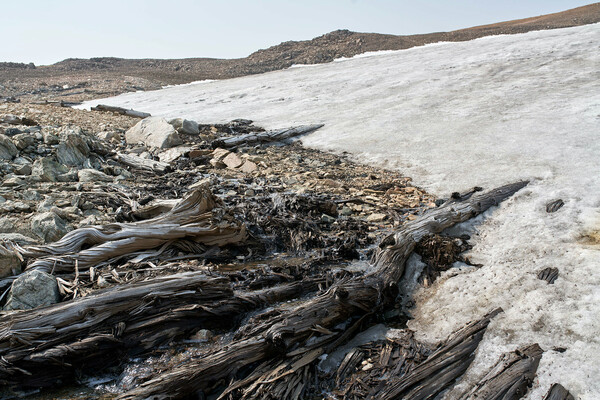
[{"x": 62, "y": 30}]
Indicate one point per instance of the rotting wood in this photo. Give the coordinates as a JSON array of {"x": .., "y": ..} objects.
[
  {"x": 288, "y": 335},
  {"x": 549, "y": 275},
  {"x": 511, "y": 377},
  {"x": 440, "y": 369},
  {"x": 252, "y": 139},
  {"x": 143, "y": 164},
  {"x": 121, "y": 110},
  {"x": 197, "y": 217},
  {"x": 558, "y": 392},
  {"x": 40, "y": 347}
]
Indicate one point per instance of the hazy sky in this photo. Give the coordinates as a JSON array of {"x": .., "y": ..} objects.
[{"x": 47, "y": 31}]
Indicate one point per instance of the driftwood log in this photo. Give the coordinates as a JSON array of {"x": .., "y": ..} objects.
[
  {"x": 197, "y": 217},
  {"x": 440, "y": 369},
  {"x": 511, "y": 377},
  {"x": 252, "y": 139},
  {"x": 291, "y": 339},
  {"x": 143, "y": 164},
  {"x": 44, "y": 346},
  {"x": 120, "y": 110}
]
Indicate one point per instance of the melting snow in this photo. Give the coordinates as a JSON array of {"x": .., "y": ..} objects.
[{"x": 452, "y": 116}]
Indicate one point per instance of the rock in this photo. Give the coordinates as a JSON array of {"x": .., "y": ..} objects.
[
  {"x": 48, "y": 226},
  {"x": 185, "y": 126},
  {"x": 7, "y": 148},
  {"x": 10, "y": 264},
  {"x": 70, "y": 176},
  {"x": 18, "y": 206},
  {"x": 203, "y": 335},
  {"x": 92, "y": 175},
  {"x": 197, "y": 153},
  {"x": 47, "y": 169},
  {"x": 173, "y": 153},
  {"x": 50, "y": 139},
  {"x": 31, "y": 290},
  {"x": 376, "y": 217},
  {"x": 17, "y": 238},
  {"x": 23, "y": 170},
  {"x": 23, "y": 140},
  {"x": 109, "y": 136},
  {"x": 12, "y": 181},
  {"x": 154, "y": 132},
  {"x": 233, "y": 161},
  {"x": 346, "y": 211},
  {"x": 248, "y": 167},
  {"x": 327, "y": 219},
  {"x": 73, "y": 150},
  {"x": 249, "y": 193}
]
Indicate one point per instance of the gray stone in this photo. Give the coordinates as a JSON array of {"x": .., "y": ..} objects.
[
  {"x": 23, "y": 140},
  {"x": 23, "y": 170},
  {"x": 70, "y": 176},
  {"x": 92, "y": 175},
  {"x": 17, "y": 238},
  {"x": 8, "y": 150},
  {"x": 109, "y": 136},
  {"x": 10, "y": 264},
  {"x": 73, "y": 150},
  {"x": 346, "y": 211},
  {"x": 203, "y": 335},
  {"x": 49, "y": 226},
  {"x": 327, "y": 219},
  {"x": 154, "y": 132},
  {"x": 50, "y": 139},
  {"x": 47, "y": 169},
  {"x": 185, "y": 126},
  {"x": 12, "y": 181},
  {"x": 32, "y": 289},
  {"x": 173, "y": 153}
]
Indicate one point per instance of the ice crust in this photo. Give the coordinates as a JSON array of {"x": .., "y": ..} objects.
[{"x": 452, "y": 116}]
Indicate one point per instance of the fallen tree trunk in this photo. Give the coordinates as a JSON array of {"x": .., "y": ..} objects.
[
  {"x": 121, "y": 110},
  {"x": 143, "y": 164},
  {"x": 306, "y": 331},
  {"x": 252, "y": 139},
  {"x": 42, "y": 346},
  {"x": 197, "y": 217}
]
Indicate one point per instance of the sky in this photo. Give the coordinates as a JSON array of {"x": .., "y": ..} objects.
[{"x": 48, "y": 31}]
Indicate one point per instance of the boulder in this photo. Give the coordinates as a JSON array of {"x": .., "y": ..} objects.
[
  {"x": 7, "y": 148},
  {"x": 49, "y": 226},
  {"x": 92, "y": 175},
  {"x": 10, "y": 264},
  {"x": 153, "y": 132},
  {"x": 73, "y": 150},
  {"x": 109, "y": 136},
  {"x": 47, "y": 169},
  {"x": 185, "y": 126},
  {"x": 32, "y": 289}
]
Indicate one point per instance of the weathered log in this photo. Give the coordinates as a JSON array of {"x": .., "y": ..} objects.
[
  {"x": 42, "y": 346},
  {"x": 143, "y": 163},
  {"x": 511, "y": 377},
  {"x": 394, "y": 250},
  {"x": 440, "y": 369},
  {"x": 558, "y": 392},
  {"x": 252, "y": 139},
  {"x": 121, "y": 110},
  {"x": 315, "y": 324},
  {"x": 196, "y": 217}
]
